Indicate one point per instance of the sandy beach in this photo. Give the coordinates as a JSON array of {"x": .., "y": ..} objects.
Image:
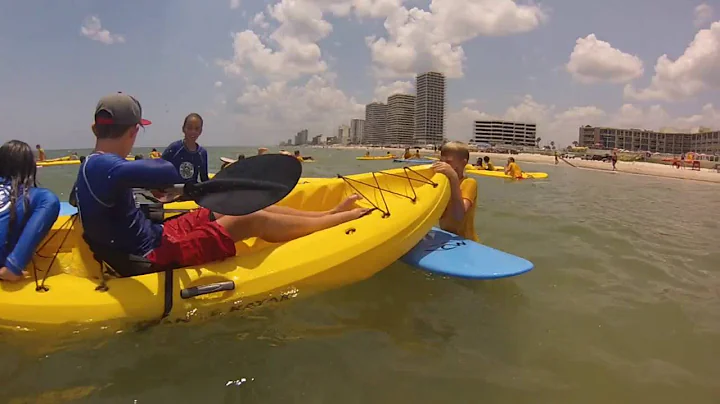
[{"x": 638, "y": 168}]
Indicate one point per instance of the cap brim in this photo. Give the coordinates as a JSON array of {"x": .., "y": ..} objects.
[{"x": 145, "y": 122}]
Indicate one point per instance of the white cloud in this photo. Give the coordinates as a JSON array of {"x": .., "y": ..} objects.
[
  {"x": 317, "y": 105},
  {"x": 470, "y": 101},
  {"x": 593, "y": 60},
  {"x": 218, "y": 84},
  {"x": 259, "y": 20},
  {"x": 234, "y": 4},
  {"x": 383, "y": 91},
  {"x": 420, "y": 40},
  {"x": 703, "y": 15},
  {"x": 696, "y": 71},
  {"x": 92, "y": 28}
]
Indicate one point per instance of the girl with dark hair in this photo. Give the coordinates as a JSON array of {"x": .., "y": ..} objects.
[
  {"x": 188, "y": 157},
  {"x": 26, "y": 212}
]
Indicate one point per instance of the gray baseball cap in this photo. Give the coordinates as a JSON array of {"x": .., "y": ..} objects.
[{"x": 122, "y": 108}]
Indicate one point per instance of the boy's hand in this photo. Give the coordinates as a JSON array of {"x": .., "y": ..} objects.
[{"x": 444, "y": 168}]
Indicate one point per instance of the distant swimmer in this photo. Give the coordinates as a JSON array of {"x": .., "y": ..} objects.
[
  {"x": 74, "y": 156},
  {"x": 416, "y": 155},
  {"x": 512, "y": 169},
  {"x": 298, "y": 156},
  {"x": 154, "y": 154},
  {"x": 367, "y": 153},
  {"x": 41, "y": 153},
  {"x": 407, "y": 153},
  {"x": 262, "y": 150}
]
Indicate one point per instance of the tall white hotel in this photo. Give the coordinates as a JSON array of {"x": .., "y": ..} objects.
[{"x": 430, "y": 108}]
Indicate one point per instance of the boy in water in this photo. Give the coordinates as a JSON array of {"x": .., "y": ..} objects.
[
  {"x": 188, "y": 157},
  {"x": 512, "y": 169},
  {"x": 459, "y": 216},
  {"x": 118, "y": 231}
]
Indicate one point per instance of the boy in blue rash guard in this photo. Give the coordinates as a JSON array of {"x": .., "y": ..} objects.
[
  {"x": 115, "y": 226},
  {"x": 188, "y": 157},
  {"x": 26, "y": 212}
]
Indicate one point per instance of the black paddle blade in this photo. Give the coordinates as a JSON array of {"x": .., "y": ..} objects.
[{"x": 248, "y": 185}]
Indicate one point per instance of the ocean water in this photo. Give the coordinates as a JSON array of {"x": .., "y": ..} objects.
[{"x": 623, "y": 306}]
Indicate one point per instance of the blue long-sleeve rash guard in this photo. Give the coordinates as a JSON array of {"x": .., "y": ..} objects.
[
  {"x": 44, "y": 208},
  {"x": 105, "y": 200},
  {"x": 189, "y": 164}
]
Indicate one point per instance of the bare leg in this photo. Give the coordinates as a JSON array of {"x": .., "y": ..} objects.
[
  {"x": 278, "y": 228},
  {"x": 343, "y": 206}
]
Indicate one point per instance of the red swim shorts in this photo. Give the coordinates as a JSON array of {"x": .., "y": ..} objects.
[{"x": 193, "y": 238}]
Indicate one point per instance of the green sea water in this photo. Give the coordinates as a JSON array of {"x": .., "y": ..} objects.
[{"x": 623, "y": 306}]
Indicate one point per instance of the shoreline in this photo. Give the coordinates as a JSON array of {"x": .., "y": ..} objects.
[{"x": 625, "y": 167}]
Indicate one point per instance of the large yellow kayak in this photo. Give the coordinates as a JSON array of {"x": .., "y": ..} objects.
[
  {"x": 389, "y": 157},
  {"x": 261, "y": 273},
  {"x": 56, "y": 162},
  {"x": 501, "y": 174}
]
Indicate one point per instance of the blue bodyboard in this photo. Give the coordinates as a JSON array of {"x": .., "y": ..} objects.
[
  {"x": 445, "y": 253},
  {"x": 66, "y": 209}
]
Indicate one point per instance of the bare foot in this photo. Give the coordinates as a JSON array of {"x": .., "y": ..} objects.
[{"x": 347, "y": 204}]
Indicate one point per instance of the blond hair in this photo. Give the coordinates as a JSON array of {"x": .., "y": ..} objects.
[{"x": 458, "y": 149}]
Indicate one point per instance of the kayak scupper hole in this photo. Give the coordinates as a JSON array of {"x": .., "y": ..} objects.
[{"x": 350, "y": 231}]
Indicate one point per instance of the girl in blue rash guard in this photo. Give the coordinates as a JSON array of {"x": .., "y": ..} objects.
[
  {"x": 188, "y": 157},
  {"x": 26, "y": 211}
]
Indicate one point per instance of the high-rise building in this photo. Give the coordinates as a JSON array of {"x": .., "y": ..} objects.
[
  {"x": 301, "y": 138},
  {"x": 343, "y": 136},
  {"x": 400, "y": 119},
  {"x": 357, "y": 127},
  {"x": 375, "y": 123},
  {"x": 504, "y": 133},
  {"x": 430, "y": 108}
]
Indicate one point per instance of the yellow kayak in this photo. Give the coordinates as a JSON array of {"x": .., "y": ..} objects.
[
  {"x": 48, "y": 163},
  {"x": 501, "y": 174},
  {"x": 390, "y": 157},
  {"x": 261, "y": 273}
]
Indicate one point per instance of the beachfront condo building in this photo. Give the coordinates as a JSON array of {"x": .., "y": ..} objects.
[
  {"x": 375, "y": 123},
  {"x": 654, "y": 142},
  {"x": 400, "y": 119},
  {"x": 343, "y": 134},
  {"x": 504, "y": 133},
  {"x": 301, "y": 138},
  {"x": 430, "y": 108},
  {"x": 357, "y": 128}
]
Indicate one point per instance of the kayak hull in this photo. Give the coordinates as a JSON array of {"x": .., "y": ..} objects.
[
  {"x": 376, "y": 158},
  {"x": 260, "y": 273},
  {"x": 500, "y": 174}
]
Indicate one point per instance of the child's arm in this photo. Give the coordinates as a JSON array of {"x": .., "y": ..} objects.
[{"x": 456, "y": 207}]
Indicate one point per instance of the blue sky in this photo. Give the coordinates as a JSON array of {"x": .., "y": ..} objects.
[{"x": 259, "y": 71}]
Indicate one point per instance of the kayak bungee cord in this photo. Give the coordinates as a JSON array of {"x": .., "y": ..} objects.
[
  {"x": 386, "y": 212},
  {"x": 41, "y": 286}
]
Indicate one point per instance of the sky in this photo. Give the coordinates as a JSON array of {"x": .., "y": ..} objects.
[{"x": 259, "y": 71}]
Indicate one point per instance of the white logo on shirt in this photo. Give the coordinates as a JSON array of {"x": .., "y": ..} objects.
[
  {"x": 4, "y": 198},
  {"x": 187, "y": 170}
]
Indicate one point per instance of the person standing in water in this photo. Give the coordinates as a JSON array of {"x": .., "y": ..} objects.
[
  {"x": 188, "y": 157},
  {"x": 41, "y": 153},
  {"x": 26, "y": 212},
  {"x": 459, "y": 215}
]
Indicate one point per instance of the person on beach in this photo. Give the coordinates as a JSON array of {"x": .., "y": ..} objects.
[
  {"x": 188, "y": 157},
  {"x": 120, "y": 234},
  {"x": 27, "y": 212},
  {"x": 407, "y": 154},
  {"x": 614, "y": 159},
  {"x": 41, "y": 153},
  {"x": 557, "y": 161},
  {"x": 512, "y": 169},
  {"x": 459, "y": 215},
  {"x": 154, "y": 154}
]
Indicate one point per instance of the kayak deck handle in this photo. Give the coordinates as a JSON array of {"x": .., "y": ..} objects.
[{"x": 196, "y": 291}]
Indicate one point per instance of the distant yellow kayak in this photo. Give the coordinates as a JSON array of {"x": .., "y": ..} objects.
[
  {"x": 501, "y": 174},
  {"x": 49, "y": 163},
  {"x": 390, "y": 157},
  {"x": 261, "y": 273}
]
